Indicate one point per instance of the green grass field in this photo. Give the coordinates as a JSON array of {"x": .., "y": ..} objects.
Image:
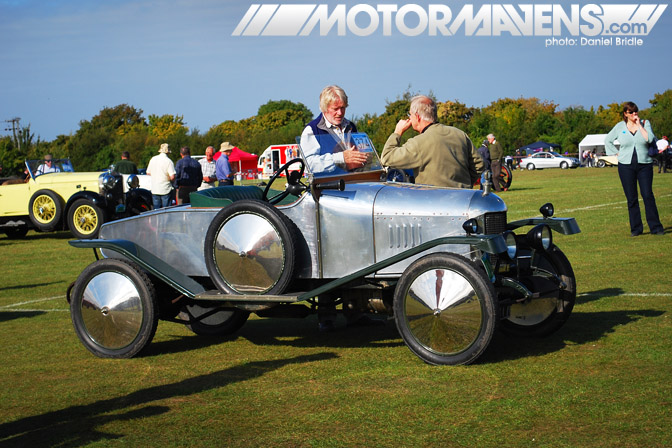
[{"x": 603, "y": 380}]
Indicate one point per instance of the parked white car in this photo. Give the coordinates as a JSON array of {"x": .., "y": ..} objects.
[
  {"x": 605, "y": 160},
  {"x": 550, "y": 159}
]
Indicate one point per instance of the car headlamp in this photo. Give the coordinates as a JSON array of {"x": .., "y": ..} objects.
[
  {"x": 511, "y": 246},
  {"x": 540, "y": 237},
  {"x": 133, "y": 181},
  {"x": 106, "y": 181},
  {"x": 547, "y": 210},
  {"x": 470, "y": 226}
]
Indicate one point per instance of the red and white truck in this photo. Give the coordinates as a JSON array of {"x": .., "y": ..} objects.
[{"x": 275, "y": 156}]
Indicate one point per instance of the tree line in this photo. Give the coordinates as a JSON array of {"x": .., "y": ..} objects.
[{"x": 515, "y": 122}]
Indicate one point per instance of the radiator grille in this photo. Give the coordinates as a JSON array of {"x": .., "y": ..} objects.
[{"x": 495, "y": 223}]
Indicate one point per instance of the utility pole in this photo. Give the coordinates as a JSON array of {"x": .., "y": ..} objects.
[{"x": 16, "y": 128}]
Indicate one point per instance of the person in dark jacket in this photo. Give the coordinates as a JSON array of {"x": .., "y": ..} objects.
[
  {"x": 484, "y": 152},
  {"x": 125, "y": 166},
  {"x": 188, "y": 176}
]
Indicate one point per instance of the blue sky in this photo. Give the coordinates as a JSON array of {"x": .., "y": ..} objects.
[{"x": 64, "y": 60}]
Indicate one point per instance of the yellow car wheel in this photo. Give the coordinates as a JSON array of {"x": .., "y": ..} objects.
[
  {"x": 45, "y": 210},
  {"x": 85, "y": 219}
]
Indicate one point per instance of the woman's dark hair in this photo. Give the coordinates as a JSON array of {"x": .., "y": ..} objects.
[{"x": 629, "y": 107}]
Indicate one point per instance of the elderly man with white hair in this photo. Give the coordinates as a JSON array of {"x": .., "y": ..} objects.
[
  {"x": 325, "y": 140},
  {"x": 440, "y": 155}
]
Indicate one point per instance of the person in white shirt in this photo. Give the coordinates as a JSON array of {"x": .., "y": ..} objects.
[
  {"x": 162, "y": 172},
  {"x": 47, "y": 167},
  {"x": 663, "y": 155}
]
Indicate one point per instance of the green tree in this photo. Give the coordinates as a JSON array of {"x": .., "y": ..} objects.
[
  {"x": 93, "y": 145},
  {"x": 300, "y": 111},
  {"x": 660, "y": 113}
]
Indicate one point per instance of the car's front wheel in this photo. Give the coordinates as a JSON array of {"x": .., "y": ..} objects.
[
  {"x": 601, "y": 164},
  {"x": 113, "y": 308},
  {"x": 549, "y": 273},
  {"x": 445, "y": 309},
  {"x": 45, "y": 210},
  {"x": 564, "y": 165},
  {"x": 85, "y": 219}
]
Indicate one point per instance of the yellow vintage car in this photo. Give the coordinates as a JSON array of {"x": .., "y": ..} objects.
[{"x": 53, "y": 196}]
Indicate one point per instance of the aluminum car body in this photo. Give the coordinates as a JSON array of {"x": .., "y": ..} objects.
[{"x": 341, "y": 233}]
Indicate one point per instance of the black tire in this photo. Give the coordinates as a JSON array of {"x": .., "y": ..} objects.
[
  {"x": 601, "y": 164},
  {"x": 113, "y": 309},
  {"x": 543, "y": 316},
  {"x": 564, "y": 165},
  {"x": 45, "y": 209},
  {"x": 85, "y": 219},
  {"x": 240, "y": 261},
  {"x": 206, "y": 321},
  {"x": 14, "y": 233},
  {"x": 530, "y": 166},
  {"x": 450, "y": 329}
]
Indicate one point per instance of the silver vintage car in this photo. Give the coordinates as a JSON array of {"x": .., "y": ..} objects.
[{"x": 444, "y": 263}]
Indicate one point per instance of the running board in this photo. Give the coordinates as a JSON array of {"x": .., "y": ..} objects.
[{"x": 257, "y": 298}]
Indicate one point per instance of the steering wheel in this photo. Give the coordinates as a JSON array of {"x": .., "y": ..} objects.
[{"x": 293, "y": 179}]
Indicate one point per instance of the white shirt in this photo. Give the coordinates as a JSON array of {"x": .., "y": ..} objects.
[
  {"x": 662, "y": 144},
  {"x": 161, "y": 169},
  {"x": 44, "y": 169}
]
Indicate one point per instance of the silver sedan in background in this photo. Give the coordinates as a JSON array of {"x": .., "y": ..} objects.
[{"x": 550, "y": 159}]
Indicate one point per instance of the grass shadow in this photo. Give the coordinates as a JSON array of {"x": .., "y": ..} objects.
[
  {"x": 34, "y": 285},
  {"x": 6, "y": 316},
  {"x": 301, "y": 333},
  {"x": 304, "y": 333},
  {"x": 581, "y": 328},
  {"x": 592, "y": 296},
  {"x": 79, "y": 425}
]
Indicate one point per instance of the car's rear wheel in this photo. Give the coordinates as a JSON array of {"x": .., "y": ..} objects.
[
  {"x": 505, "y": 177},
  {"x": 564, "y": 165},
  {"x": 250, "y": 249},
  {"x": 113, "y": 308},
  {"x": 85, "y": 219},
  {"x": 208, "y": 321},
  {"x": 601, "y": 164},
  {"x": 530, "y": 166},
  {"x": 45, "y": 210},
  {"x": 544, "y": 315},
  {"x": 445, "y": 309}
]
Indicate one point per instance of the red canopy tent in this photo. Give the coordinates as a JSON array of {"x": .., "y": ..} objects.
[{"x": 240, "y": 160}]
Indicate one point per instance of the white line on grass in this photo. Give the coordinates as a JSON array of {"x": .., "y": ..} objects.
[
  {"x": 629, "y": 294},
  {"x": 32, "y": 301},
  {"x": 589, "y": 207}
]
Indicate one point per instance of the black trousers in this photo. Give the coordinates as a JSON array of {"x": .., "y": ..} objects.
[{"x": 631, "y": 174}]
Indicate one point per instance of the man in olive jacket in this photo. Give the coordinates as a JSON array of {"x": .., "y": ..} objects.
[
  {"x": 496, "y": 154},
  {"x": 440, "y": 155}
]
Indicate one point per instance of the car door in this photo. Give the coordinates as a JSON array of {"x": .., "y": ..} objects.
[{"x": 14, "y": 199}]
